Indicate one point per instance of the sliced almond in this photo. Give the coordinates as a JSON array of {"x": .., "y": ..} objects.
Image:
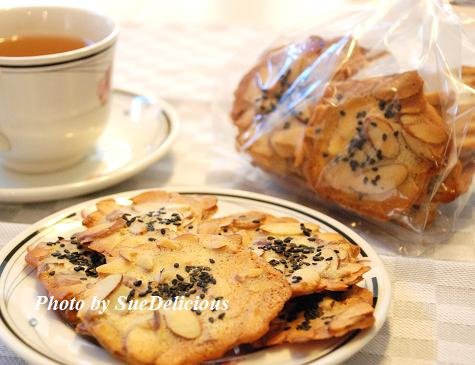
[
  {"x": 333, "y": 262},
  {"x": 309, "y": 275},
  {"x": 167, "y": 243},
  {"x": 99, "y": 292},
  {"x": 137, "y": 227},
  {"x": 387, "y": 178},
  {"x": 67, "y": 280},
  {"x": 258, "y": 251},
  {"x": 107, "y": 206},
  {"x": 337, "y": 145},
  {"x": 183, "y": 323},
  {"x": 284, "y": 141},
  {"x": 421, "y": 149},
  {"x": 329, "y": 236},
  {"x": 427, "y": 132},
  {"x": 217, "y": 241},
  {"x": 214, "y": 225},
  {"x": 117, "y": 266},
  {"x": 248, "y": 220},
  {"x": 289, "y": 229},
  {"x": 128, "y": 254},
  {"x": 94, "y": 231},
  {"x": 145, "y": 262},
  {"x": 381, "y": 135},
  {"x": 213, "y": 242},
  {"x": 254, "y": 273}
]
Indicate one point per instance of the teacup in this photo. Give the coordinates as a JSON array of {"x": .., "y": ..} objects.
[{"x": 53, "y": 107}]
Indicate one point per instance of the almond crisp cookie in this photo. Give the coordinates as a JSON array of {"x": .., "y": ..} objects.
[
  {"x": 311, "y": 260},
  {"x": 376, "y": 148},
  {"x": 152, "y": 215},
  {"x": 67, "y": 267},
  {"x": 271, "y": 122},
  {"x": 321, "y": 316},
  {"x": 206, "y": 267}
]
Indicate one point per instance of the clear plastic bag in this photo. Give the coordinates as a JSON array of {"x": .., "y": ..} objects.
[{"x": 371, "y": 112}]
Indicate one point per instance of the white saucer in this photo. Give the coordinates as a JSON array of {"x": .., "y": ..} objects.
[{"x": 140, "y": 131}]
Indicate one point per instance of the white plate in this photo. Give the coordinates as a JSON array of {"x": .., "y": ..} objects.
[
  {"x": 41, "y": 337},
  {"x": 140, "y": 131}
]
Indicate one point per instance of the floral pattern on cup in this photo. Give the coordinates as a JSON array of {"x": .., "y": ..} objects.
[{"x": 104, "y": 87}]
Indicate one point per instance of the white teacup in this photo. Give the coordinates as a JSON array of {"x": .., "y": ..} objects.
[{"x": 53, "y": 107}]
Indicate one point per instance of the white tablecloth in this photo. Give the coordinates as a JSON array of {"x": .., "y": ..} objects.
[{"x": 432, "y": 319}]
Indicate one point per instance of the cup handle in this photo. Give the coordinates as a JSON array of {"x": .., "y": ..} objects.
[{"x": 4, "y": 143}]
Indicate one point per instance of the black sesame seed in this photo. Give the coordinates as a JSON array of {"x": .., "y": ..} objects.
[
  {"x": 389, "y": 113},
  {"x": 137, "y": 282},
  {"x": 211, "y": 320},
  {"x": 221, "y": 316},
  {"x": 130, "y": 295},
  {"x": 176, "y": 265},
  {"x": 163, "y": 231},
  {"x": 353, "y": 164},
  {"x": 296, "y": 279},
  {"x": 329, "y": 259},
  {"x": 212, "y": 261},
  {"x": 51, "y": 273},
  {"x": 384, "y": 136},
  {"x": 342, "y": 113}
]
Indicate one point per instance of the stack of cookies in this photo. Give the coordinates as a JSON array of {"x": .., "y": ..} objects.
[
  {"x": 252, "y": 279},
  {"x": 379, "y": 146}
]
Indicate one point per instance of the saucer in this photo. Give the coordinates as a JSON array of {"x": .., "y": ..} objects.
[{"x": 139, "y": 132}]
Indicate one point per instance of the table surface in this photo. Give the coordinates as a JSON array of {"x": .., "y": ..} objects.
[{"x": 191, "y": 53}]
